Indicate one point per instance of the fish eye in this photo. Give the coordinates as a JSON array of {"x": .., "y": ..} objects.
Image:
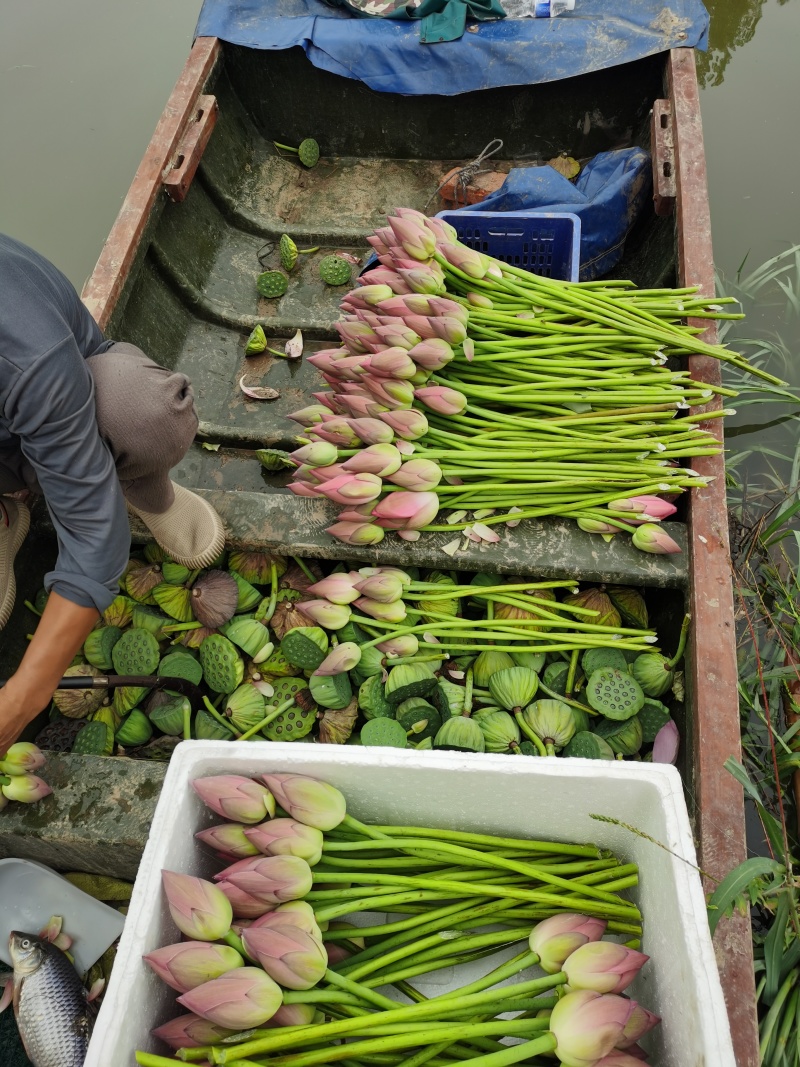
[{"x": 26, "y": 943}]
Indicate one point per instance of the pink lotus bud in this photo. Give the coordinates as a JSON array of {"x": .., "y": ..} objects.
[
  {"x": 618, "y": 1058},
  {"x": 387, "y": 275},
  {"x": 408, "y": 424},
  {"x": 318, "y": 454},
  {"x": 377, "y": 244},
  {"x": 301, "y": 489},
  {"x": 198, "y": 908},
  {"x": 650, "y": 507},
  {"x": 393, "y": 612},
  {"x": 451, "y": 309},
  {"x": 371, "y": 319},
  {"x": 588, "y": 1025},
  {"x": 479, "y": 300},
  {"x": 410, "y": 213},
  {"x": 407, "y": 511},
  {"x": 464, "y": 259},
  {"x": 372, "y": 294},
  {"x": 427, "y": 281},
  {"x": 323, "y": 613},
  {"x": 309, "y": 416},
  {"x": 419, "y": 475},
  {"x": 372, "y": 431},
  {"x": 556, "y": 938},
  {"x": 244, "y": 905},
  {"x": 420, "y": 324},
  {"x": 191, "y": 963},
  {"x": 398, "y": 336},
  {"x": 362, "y": 513},
  {"x": 287, "y": 837},
  {"x": 354, "y": 334},
  {"x": 339, "y": 588},
  {"x": 228, "y": 839},
  {"x": 385, "y": 588},
  {"x": 391, "y": 392},
  {"x": 26, "y": 789},
  {"x": 418, "y": 243},
  {"x": 288, "y": 954},
  {"x": 352, "y": 488},
  {"x": 603, "y": 966},
  {"x": 323, "y": 474},
  {"x": 339, "y": 432},
  {"x": 293, "y": 1015},
  {"x": 356, "y": 407},
  {"x": 380, "y": 460},
  {"x": 323, "y": 362},
  {"x": 190, "y": 1031},
  {"x": 329, "y": 400},
  {"x": 666, "y": 744},
  {"x": 341, "y": 659},
  {"x": 407, "y": 645},
  {"x": 273, "y": 879},
  {"x": 595, "y": 526},
  {"x": 392, "y": 363},
  {"x": 432, "y": 354},
  {"x": 641, "y": 1022},
  {"x": 449, "y": 329},
  {"x": 239, "y": 1000},
  {"x": 442, "y": 231},
  {"x": 22, "y": 758},
  {"x": 412, "y": 303},
  {"x": 441, "y": 399},
  {"x": 651, "y": 538},
  {"x": 235, "y": 797},
  {"x": 308, "y": 800},
  {"x": 356, "y": 533}
]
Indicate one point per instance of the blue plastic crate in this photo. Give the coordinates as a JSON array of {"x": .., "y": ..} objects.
[{"x": 541, "y": 242}]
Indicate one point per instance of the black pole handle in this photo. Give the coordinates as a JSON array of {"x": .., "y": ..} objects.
[{"x": 145, "y": 681}]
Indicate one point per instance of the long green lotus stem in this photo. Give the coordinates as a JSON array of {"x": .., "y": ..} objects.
[
  {"x": 681, "y": 642},
  {"x": 274, "y": 714},
  {"x": 556, "y": 847}
]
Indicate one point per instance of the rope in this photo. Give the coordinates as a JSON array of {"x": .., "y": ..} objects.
[{"x": 466, "y": 175}]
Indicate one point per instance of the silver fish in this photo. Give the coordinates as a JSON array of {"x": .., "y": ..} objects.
[{"x": 53, "y": 1017}]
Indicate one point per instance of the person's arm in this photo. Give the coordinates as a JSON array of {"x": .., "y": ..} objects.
[{"x": 61, "y": 632}]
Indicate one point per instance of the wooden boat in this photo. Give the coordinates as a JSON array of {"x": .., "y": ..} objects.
[{"x": 176, "y": 277}]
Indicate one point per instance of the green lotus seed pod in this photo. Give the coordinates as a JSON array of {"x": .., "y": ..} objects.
[
  {"x": 460, "y": 734},
  {"x": 223, "y": 668},
  {"x": 586, "y": 745},
  {"x": 174, "y": 573},
  {"x": 146, "y": 617},
  {"x": 555, "y": 677},
  {"x": 653, "y": 716},
  {"x": 119, "y": 612},
  {"x": 136, "y": 652},
  {"x": 308, "y": 152},
  {"x": 295, "y": 724},
  {"x": 514, "y": 687},
  {"x": 614, "y": 694},
  {"x": 135, "y": 729},
  {"x": 244, "y": 707},
  {"x": 500, "y": 731},
  {"x": 594, "y": 659},
  {"x": 533, "y": 660},
  {"x": 371, "y": 701},
  {"x": 487, "y": 664},
  {"x": 272, "y": 284},
  {"x": 249, "y": 596},
  {"x": 448, "y": 698},
  {"x": 256, "y": 342},
  {"x": 169, "y": 717},
  {"x": 175, "y": 601},
  {"x": 385, "y": 733},
  {"x": 98, "y": 646},
  {"x": 551, "y": 721},
  {"x": 332, "y": 691},
  {"x": 207, "y": 728},
  {"x": 251, "y": 636},
  {"x": 181, "y": 664},
  {"x": 278, "y": 666},
  {"x": 419, "y": 718},
  {"x": 127, "y": 697},
  {"x": 409, "y": 680},
  {"x": 288, "y": 250},
  {"x": 624, "y": 737},
  {"x": 305, "y": 647},
  {"x": 371, "y": 663},
  {"x": 273, "y": 459},
  {"x": 334, "y": 270}
]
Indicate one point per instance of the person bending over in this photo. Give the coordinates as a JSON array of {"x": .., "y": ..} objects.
[{"x": 92, "y": 425}]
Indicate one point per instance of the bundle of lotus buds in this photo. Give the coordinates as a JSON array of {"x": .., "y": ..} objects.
[
  {"x": 270, "y": 970},
  {"x": 17, "y": 780},
  {"x": 465, "y": 383}
]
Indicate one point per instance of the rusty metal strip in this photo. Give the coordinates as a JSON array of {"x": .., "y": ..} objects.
[
  {"x": 183, "y": 167},
  {"x": 663, "y": 157},
  {"x": 720, "y": 804},
  {"x": 103, "y": 288}
]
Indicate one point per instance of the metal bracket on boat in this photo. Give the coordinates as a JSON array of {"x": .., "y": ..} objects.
[
  {"x": 178, "y": 176},
  {"x": 662, "y": 140}
]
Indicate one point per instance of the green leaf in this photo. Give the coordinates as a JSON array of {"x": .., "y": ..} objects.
[
  {"x": 210, "y": 447},
  {"x": 738, "y": 881},
  {"x": 773, "y": 948}
]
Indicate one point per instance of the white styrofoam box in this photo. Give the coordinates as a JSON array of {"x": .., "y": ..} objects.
[{"x": 505, "y": 795}]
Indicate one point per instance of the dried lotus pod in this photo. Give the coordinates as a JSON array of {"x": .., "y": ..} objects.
[
  {"x": 336, "y": 724},
  {"x": 79, "y": 703},
  {"x": 256, "y": 567},
  {"x": 508, "y": 611},
  {"x": 118, "y": 613},
  {"x": 60, "y": 736},
  {"x": 630, "y": 604},
  {"x": 141, "y": 579},
  {"x": 597, "y": 600},
  {"x": 195, "y": 638},
  {"x": 295, "y": 577},
  {"x": 214, "y": 598},
  {"x": 287, "y": 617}
]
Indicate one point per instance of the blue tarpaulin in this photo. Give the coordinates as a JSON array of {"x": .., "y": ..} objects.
[{"x": 387, "y": 55}]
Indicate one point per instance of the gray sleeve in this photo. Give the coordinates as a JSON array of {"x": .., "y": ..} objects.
[{"x": 51, "y": 410}]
